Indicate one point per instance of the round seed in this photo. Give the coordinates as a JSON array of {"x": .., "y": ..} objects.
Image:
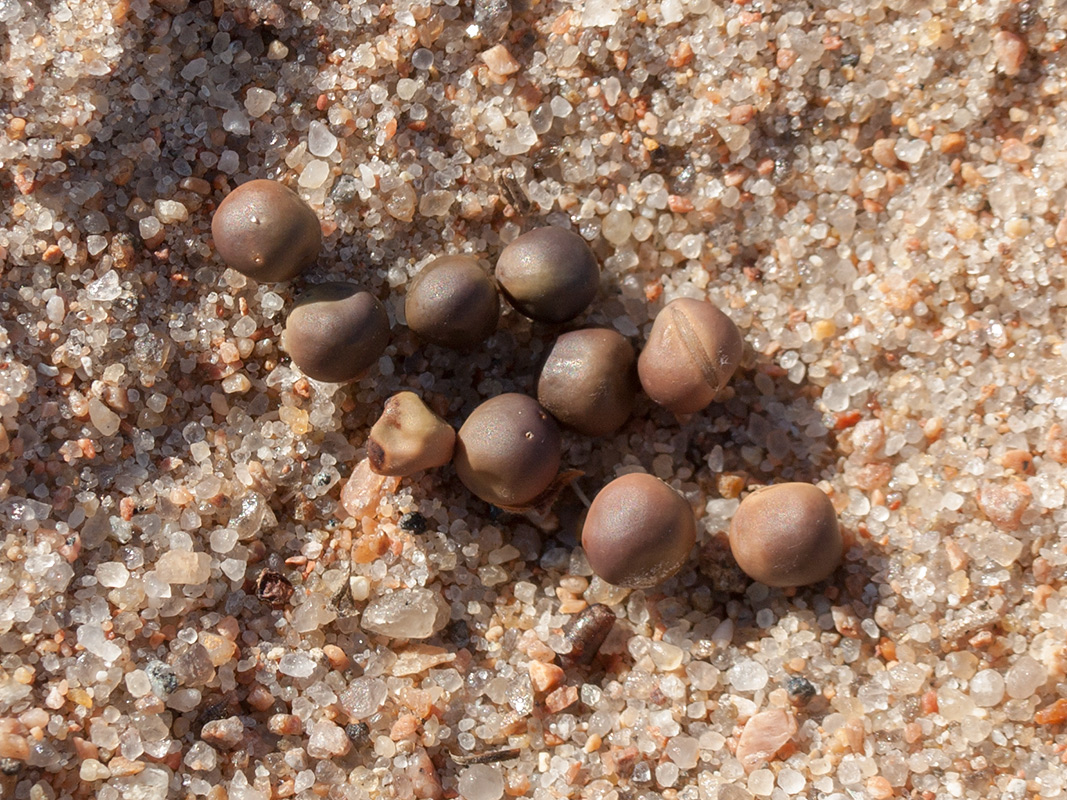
[
  {"x": 409, "y": 437},
  {"x": 508, "y": 451},
  {"x": 589, "y": 381},
  {"x": 453, "y": 302},
  {"x": 336, "y": 332},
  {"x": 548, "y": 274},
  {"x": 264, "y": 230},
  {"x": 638, "y": 531},
  {"x": 692, "y": 352},
  {"x": 786, "y": 535}
]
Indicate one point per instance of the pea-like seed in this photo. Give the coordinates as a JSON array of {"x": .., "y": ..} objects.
[
  {"x": 453, "y": 302},
  {"x": 786, "y": 535},
  {"x": 264, "y": 230},
  {"x": 638, "y": 531},
  {"x": 548, "y": 274},
  {"x": 589, "y": 381},
  {"x": 335, "y": 332},
  {"x": 508, "y": 451},
  {"x": 692, "y": 352},
  {"x": 408, "y": 438}
]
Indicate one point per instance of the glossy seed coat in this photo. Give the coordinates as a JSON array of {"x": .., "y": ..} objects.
[
  {"x": 453, "y": 303},
  {"x": 508, "y": 451},
  {"x": 638, "y": 531},
  {"x": 548, "y": 274},
  {"x": 264, "y": 230},
  {"x": 691, "y": 353},
  {"x": 589, "y": 381},
  {"x": 786, "y": 535},
  {"x": 335, "y": 332}
]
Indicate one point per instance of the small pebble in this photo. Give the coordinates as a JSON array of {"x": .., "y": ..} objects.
[
  {"x": 423, "y": 776},
  {"x": 335, "y": 332},
  {"x": 413, "y": 522},
  {"x": 92, "y": 770},
  {"x": 549, "y": 274},
  {"x": 692, "y": 352},
  {"x": 763, "y": 736},
  {"x": 193, "y": 667},
  {"x": 638, "y": 531},
  {"x": 327, "y": 740},
  {"x": 1054, "y": 714},
  {"x": 589, "y": 381},
  {"x": 337, "y": 657},
  {"x": 1025, "y": 677},
  {"x": 162, "y": 678},
  {"x": 10, "y": 766},
  {"x": 184, "y": 567},
  {"x": 786, "y": 535},
  {"x": 453, "y": 302},
  {"x": 545, "y": 677},
  {"x": 264, "y": 230},
  {"x": 285, "y": 725},
  {"x": 226, "y": 733},
  {"x": 500, "y": 61},
  {"x": 481, "y": 782},
  {"x": 799, "y": 689},
  {"x": 1005, "y": 504},
  {"x": 408, "y": 438},
  {"x": 1010, "y": 50},
  {"x": 492, "y": 18},
  {"x": 508, "y": 451},
  {"x": 416, "y": 613},
  {"x": 358, "y": 733}
]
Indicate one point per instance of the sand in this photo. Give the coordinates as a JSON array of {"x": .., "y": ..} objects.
[{"x": 206, "y": 593}]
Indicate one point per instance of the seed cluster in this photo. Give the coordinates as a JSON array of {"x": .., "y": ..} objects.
[{"x": 638, "y": 531}]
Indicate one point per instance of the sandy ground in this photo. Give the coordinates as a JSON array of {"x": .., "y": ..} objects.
[{"x": 873, "y": 191}]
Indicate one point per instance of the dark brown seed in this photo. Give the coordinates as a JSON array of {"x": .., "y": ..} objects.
[
  {"x": 692, "y": 352},
  {"x": 589, "y": 381},
  {"x": 336, "y": 332},
  {"x": 508, "y": 451},
  {"x": 549, "y": 274},
  {"x": 786, "y": 535},
  {"x": 638, "y": 531},
  {"x": 585, "y": 634},
  {"x": 265, "y": 231},
  {"x": 273, "y": 588},
  {"x": 453, "y": 302}
]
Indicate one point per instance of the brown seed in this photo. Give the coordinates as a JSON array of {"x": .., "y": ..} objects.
[
  {"x": 589, "y": 381},
  {"x": 408, "y": 438},
  {"x": 638, "y": 531},
  {"x": 336, "y": 332},
  {"x": 586, "y": 633},
  {"x": 692, "y": 352},
  {"x": 265, "y": 231},
  {"x": 508, "y": 451},
  {"x": 548, "y": 274},
  {"x": 786, "y": 535},
  {"x": 453, "y": 302}
]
